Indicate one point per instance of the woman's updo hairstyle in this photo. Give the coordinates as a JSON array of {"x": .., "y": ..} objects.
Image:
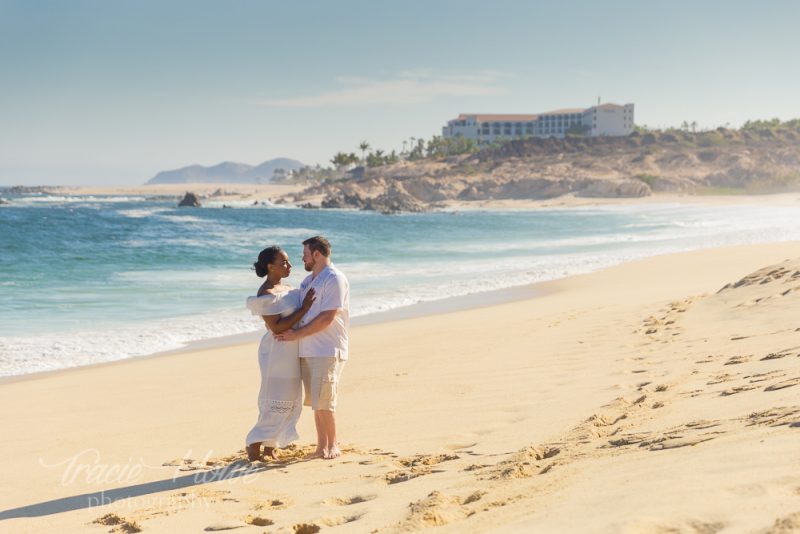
[{"x": 266, "y": 257}]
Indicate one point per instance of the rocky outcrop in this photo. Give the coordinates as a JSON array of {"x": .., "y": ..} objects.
[
  {"x": 30, "y": 190},
  {"x": 395, "y": 200},
  {"x": 343, "y": 201},
  {"x": 429, "y": 189},
  {"x": 621, "y": 189},
  {"x": 189, "y": 200}
]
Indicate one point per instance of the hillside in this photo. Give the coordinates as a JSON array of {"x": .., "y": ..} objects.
[
  {"x": 722, "y": 161},
  {"x": 226, "y": 172}
]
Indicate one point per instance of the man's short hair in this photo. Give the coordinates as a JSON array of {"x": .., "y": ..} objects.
[{"x": 319, "y": 244}]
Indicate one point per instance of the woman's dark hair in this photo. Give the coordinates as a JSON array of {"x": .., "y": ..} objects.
[{"x": 265, "y": 257}]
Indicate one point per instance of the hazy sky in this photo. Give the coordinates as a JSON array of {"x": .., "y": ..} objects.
[{"x": 111, "y": 92}]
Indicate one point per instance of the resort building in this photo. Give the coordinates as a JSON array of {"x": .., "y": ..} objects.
[{"x": 602, "y": 120}]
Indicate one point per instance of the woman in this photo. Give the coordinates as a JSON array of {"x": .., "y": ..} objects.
[{"x": 280, "y": 397}]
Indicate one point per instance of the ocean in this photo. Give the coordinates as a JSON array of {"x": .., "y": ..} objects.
[{"x": 88, "y": 279}]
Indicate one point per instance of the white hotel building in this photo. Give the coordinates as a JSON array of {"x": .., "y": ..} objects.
[{"x": 610, "y": 120}]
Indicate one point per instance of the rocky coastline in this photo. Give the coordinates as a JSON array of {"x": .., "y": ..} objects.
[{"x": 721, "y": 161}]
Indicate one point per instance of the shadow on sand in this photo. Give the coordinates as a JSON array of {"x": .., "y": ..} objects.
[{"x": 231, "y": 471}]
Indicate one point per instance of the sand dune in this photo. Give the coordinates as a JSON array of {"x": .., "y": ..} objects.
[{"x": 656, "y": 396}]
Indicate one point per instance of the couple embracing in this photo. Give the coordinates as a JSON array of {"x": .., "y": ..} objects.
[{"x": 306, "y": 343}]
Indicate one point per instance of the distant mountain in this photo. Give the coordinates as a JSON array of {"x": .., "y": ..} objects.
[{"x": 227, "y": 172}]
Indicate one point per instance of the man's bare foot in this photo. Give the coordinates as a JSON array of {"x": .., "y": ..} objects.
[
  {"x": 254, "y": 452},
  {"x": 270, "y": 454},
  {"x": 314, "y": 455},
  {"x": 332, "y": 453}
]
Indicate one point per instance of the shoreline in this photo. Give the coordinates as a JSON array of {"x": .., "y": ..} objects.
[
  {"x": 420, "y": 309},
  {"x": 448, "y": 305},
  {"x": 232, "y": 192}
]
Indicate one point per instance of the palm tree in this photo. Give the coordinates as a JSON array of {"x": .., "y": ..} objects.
[{"x": 364, "y": 146}]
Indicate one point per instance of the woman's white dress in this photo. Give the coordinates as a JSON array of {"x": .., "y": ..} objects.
[{"x": 280, "y": 396}]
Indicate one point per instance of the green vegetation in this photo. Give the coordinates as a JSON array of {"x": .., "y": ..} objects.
[
  {"x": 771, "y": 124},
  {"x": 719, "y": 191},
  {"x": 378, "y": 158},
  {"x": 341, "y": 159},
  {"x": 649, "y": 179},
  {"x": 364, "y": 146},
  {"x": 451, "y": 146}
]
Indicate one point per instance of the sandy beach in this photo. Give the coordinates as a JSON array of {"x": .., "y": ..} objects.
[{"x": 640, "y": 398}]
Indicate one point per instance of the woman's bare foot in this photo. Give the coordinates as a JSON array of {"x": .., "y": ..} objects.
[
  {"x": 270, "y": 454},
  {"x": 254, "y": 452},
  {"x": 319, "y": 453},
  {"x": 333, "y": 452}
]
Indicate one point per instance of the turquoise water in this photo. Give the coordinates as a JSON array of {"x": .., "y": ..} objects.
[{"x": 90, "y": 279}]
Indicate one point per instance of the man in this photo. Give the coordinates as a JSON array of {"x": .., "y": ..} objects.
[{"x": 323, "y": 335}]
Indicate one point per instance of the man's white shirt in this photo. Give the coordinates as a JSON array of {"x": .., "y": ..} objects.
[{"x": 332, "y": 292}]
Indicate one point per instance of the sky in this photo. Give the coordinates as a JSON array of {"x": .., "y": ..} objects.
[{"x": 112, "y": 92}]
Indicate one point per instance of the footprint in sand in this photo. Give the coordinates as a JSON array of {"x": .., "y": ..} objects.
[
  {"x": 779, "y": 416},
  {"x": 526, "y": 463},
  {"x": 736, "y": 360},
  {"x": 273, "y": 504},
  {"x": 258, "y": 521},
  {"x": 734, "y": 390},
  {"x": 438, "y": 509},
  {"x": 475, "y": 467},
  {"x": 335, "y": 521},
  {"x": 347, "y": 501},
  {"x": 606, "y": 420},
  {"x": 628, "y": 439},
  {"x": 774, "y": 356},
  {"x": 395, "y": 477},
  {"x": 417, "y": 466},
  {"x": 683, "y": 436},
  {"x": 422, "y": 459},
  {"x": 783, "y": 384},
  {"x": 763, "y": 377},
  {"x": 306, "y": 528},
  {"x": 119, "y": 523},
  {"x": 789, "y": 523}
]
